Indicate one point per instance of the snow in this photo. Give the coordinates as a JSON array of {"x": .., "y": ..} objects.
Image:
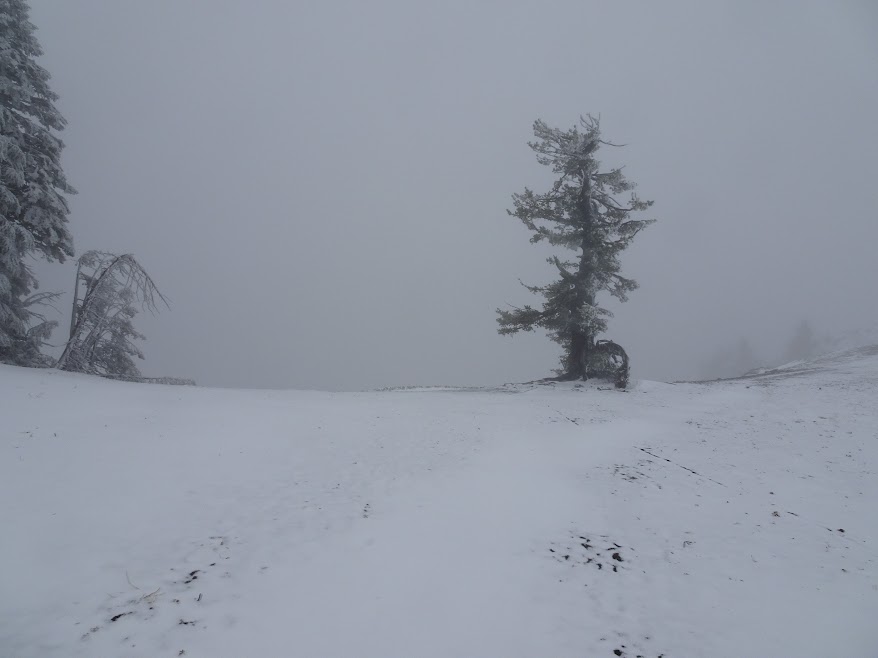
[{"x": 735, "y": 518}]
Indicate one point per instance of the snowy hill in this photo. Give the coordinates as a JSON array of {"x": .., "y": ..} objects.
[{"x": 733, "y": 518}]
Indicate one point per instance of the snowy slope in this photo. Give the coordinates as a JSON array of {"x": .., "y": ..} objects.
[{"x": 733, "y": 518}]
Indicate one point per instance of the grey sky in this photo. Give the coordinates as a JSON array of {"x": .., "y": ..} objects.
[{"x": 320, "y": 187}]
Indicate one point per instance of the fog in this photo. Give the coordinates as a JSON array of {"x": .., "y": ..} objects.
[{"x": 320, "y": 188}]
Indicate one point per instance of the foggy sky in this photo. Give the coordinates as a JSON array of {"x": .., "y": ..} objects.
[{"x": 321, "y": 187}]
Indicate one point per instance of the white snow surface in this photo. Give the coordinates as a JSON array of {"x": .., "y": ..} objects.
[{"x": 735, "y": 518}]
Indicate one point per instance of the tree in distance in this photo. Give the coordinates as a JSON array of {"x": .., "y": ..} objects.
[{"x": 584, "y": 211}]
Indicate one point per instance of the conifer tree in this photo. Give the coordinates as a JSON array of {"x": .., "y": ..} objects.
[
  {"x": 33, "y": 210},
  {"x": 583, "y": 212}
]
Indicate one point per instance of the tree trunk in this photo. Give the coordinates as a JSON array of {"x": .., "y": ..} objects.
[
  {"x": 75, "y": 299},
  {"x": 582, "y": 342},
  {"x": 579, "y": 349}
]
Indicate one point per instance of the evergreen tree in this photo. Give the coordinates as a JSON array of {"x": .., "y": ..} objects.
[
  {"x": 33, "y": 210},
  {"x": 582, "y": 212}
]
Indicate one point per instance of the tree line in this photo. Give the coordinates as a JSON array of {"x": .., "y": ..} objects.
[
  {"x": 590, "y": 211},
  {"x": 109, "y": 289}
]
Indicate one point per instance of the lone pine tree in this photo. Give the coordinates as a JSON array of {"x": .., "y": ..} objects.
[
  {"x": 33, "y": 210},
  {"x": 582, "y": 212}
]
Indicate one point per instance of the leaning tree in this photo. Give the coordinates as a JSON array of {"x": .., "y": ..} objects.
[
  {"x": 102, "y": 334},
  {"x": 33, "y": 209},
  {"x": 589, "y": 211}
]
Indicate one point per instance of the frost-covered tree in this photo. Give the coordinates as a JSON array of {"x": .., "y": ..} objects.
[
  {"x": 33, "y": 210},
  {"x": 588, "y": 211},
  {"x": 102, "y": 333}
]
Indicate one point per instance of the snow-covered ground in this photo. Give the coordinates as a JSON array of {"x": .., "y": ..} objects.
[{"x": 735, "y": 518}]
